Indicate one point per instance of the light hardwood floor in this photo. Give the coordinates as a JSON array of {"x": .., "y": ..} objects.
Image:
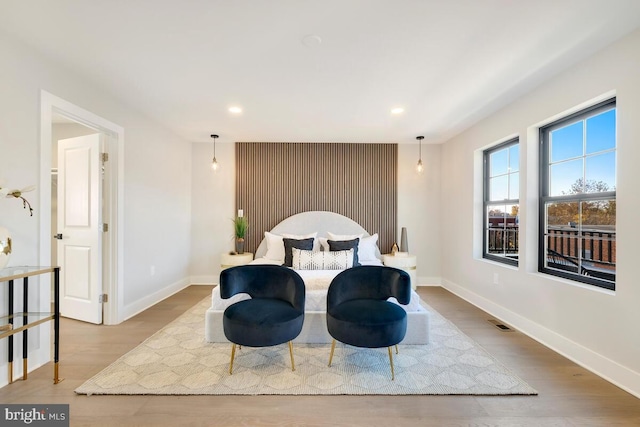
[{"x": 568, "y": 394}]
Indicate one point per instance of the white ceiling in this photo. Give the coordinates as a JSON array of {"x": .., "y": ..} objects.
[{"x": 448, "y": 63}]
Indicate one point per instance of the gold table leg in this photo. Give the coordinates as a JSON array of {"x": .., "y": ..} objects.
[
  {"x": 24, "y": 369},
  {"x": 56, "y": 374}
]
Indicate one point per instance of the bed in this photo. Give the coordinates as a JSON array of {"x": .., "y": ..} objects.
[{"x": 322, "y": 226}]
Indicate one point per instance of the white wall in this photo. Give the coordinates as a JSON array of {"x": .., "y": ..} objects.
[
  {"x": 157, "y": 177},
  {"x": 596, "y": 328},
  {"x": 419, "y": 208},
  {"x": 213, "y": 207}
]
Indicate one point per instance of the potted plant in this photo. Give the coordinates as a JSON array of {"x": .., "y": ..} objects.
[{"x": 240, "y": 227}]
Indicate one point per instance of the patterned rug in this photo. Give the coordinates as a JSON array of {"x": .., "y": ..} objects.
[{"x": 177, "y": 361}]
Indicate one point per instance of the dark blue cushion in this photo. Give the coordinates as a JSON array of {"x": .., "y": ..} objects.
[
  {"x": 262, "y": 322},
  {"x": 289, "y": 244},
  {"x": 367, "y": 323}
]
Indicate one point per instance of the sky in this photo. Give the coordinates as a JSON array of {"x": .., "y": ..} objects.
[{"x": 583, "y": 149}]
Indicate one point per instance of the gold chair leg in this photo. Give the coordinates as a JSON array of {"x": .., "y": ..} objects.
[
  {"x": 393, "y": 377},
  {"x": 333, "y": 347},
  {"x": 293, "y": 366},
  {"x": 233, "y": 353},
  {"x": 396, "y": 348}
]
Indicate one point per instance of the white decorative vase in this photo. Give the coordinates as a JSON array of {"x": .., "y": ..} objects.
[{"x": 5, "y": 246}]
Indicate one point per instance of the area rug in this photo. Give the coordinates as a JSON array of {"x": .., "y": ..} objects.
[{"x": 177, "y": 361}]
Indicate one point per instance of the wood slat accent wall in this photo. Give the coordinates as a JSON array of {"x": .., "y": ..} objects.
[{"x": 277, "y": 180}]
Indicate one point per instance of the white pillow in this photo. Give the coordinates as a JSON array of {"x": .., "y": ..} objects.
[
  {"x": 321, "y": 260},
  {"x": 275, "y": 247},
  {"x": 343, "y": 236},
  {"x": 366, "y": 246},
  {"x": 324, "y": 244}
]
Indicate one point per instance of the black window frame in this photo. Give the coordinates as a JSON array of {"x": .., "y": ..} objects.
[
  {"x": 581, "y": 275},
  {"x": 486, "y": 156}
]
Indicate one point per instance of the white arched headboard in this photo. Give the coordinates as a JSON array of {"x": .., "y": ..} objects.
[{"x": 314, "y": 221}]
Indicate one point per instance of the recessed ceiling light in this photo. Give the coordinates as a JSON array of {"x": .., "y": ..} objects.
[
  {"x": 235, "y": 110},
  {"x": 397, "y": 110}
]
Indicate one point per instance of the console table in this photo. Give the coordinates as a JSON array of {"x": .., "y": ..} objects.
[{"x": 15, "y": 323}]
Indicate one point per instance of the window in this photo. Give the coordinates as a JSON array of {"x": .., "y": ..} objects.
[
  {"x": 578, "y": 196},
  {"x": 501, "y": 202}
]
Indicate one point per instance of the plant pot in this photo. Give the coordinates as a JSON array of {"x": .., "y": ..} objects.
[
  {"x": 239, "y": 246},
  {"x": 5, "y": 246}
]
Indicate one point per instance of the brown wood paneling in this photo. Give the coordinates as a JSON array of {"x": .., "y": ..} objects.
[{"x": 277, "y": 180}]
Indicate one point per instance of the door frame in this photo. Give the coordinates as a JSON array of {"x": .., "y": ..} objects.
[{"x": 113, "y": 196}]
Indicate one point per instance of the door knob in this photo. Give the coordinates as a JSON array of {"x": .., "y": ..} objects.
[{"x": 58, "y": 236}]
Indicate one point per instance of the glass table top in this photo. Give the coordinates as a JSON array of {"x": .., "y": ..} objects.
[{"x": 17, "y": 272}]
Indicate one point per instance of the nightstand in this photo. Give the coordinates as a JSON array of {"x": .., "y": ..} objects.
[
  {"x": 407, "y": 263},
  {"x": 231, "y": 260}
]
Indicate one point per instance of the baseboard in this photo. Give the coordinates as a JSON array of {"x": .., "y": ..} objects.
[
  {"x": 204, "y": 280},
  {"x": 150, "y": 300},
  {"x": 429, "y": 281},
  {"x": 600, "y": 365}
]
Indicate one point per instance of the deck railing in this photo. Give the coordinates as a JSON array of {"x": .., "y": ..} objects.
[
  {"x": 593, "y": 249},
  {"x": 503, "y": 240}
]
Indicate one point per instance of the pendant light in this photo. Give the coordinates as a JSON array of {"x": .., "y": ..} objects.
[
  {"x": 419, "y": 166},
  {"x": 214, "y": 163}
]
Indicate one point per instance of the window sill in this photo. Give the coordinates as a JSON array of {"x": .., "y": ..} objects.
[{"x": 499, "y": 264}]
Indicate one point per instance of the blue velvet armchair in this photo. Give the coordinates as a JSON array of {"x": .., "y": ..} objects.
[
  {"x": 275, "y": 312},
  {"x": 358, "y": 312}
]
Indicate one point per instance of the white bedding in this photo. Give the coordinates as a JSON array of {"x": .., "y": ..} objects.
[{"x": 316, "y": 284}]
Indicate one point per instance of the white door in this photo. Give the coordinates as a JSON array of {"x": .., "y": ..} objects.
[{"x": 80, "y": 228}]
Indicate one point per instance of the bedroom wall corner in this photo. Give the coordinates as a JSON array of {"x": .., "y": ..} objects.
[
  {"x": 419, "y": 200},
  {"x": 212, "y": 208}
]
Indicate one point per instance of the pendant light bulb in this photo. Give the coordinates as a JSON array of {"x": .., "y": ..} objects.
[
  {"x": 420, "y": 166},
  {"x": 214, "y": 162}
]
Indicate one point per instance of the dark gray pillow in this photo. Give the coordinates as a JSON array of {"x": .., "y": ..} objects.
[
  {"x": 303, "y": 244},
  {"x": 345, "y": 245}
]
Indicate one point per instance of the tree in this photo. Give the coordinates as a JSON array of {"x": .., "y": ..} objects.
[
  {"x": 590, "y": 186},
  {"x": 594, "y": 212}
]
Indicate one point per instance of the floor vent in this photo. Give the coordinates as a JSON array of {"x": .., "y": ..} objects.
[{"x": 500, "y": 325}]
